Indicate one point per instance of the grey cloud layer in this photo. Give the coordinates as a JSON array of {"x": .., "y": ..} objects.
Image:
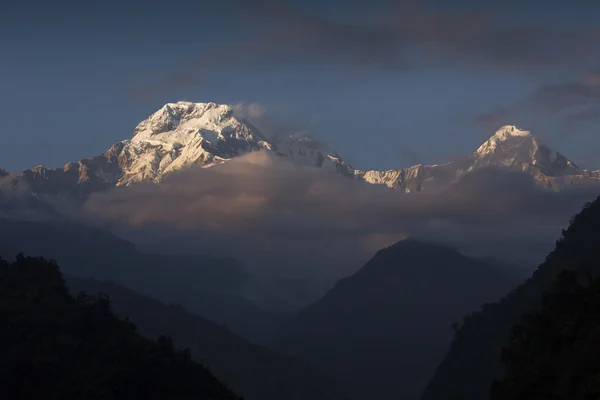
[
  {"x": 392, "y": 36},
  {"x": 260, "y": 206},
  {"x": 572, "y": 102}
]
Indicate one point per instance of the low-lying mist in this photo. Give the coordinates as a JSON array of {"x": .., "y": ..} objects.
[{"x": 283, "y": 219}]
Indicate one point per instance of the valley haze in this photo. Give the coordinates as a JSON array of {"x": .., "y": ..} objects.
[
  {"x": 210, "y": 179},
  {"x": 314, "y": 200}
]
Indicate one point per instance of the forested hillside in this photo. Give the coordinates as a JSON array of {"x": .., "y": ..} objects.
[
  {"x": 474, "y": 358},
  {"x": 56, "y": 346},
  {"x": 554, "y": 353}
]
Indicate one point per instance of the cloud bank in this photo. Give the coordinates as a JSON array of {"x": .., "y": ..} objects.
[
  {"x": 570, "y": 102},
  {"x": 394, "y": 36},
  {"x": 261, "y": 207}
]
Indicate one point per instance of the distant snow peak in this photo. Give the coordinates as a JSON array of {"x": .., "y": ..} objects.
[
  {"x": 178, "y": 136},
  {"x": 510, "y": 130},
  {"x": 175, "y": 116},
  {"x": 518, "y": 149},
  {"x": 185, "y": 134},
  {"x": 509, "y": 147},
  {"x": 503, "y": 134}
]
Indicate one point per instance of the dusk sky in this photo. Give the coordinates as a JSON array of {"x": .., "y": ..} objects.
[{"x": 388, "y": 84}]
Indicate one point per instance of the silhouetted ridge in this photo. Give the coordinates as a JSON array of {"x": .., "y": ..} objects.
[
  {"x": 409, "y": 249},
  {"x": 207, "y": 286},
  {"x": 382, "y": 331},
  {"x": 256, "y": 372},
  {"x": 473, "y": 360},
  {"x": 55, "y": 346},
  {"x": 554, "y": 352}
]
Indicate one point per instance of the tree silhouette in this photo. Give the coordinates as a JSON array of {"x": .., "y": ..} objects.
[
  {"x": 55, "y": 346},
  {"x": 473, "y": 361},
  {"x": 554, "y": 353}
]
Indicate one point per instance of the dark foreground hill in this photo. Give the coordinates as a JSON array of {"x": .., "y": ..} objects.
[
  {"x": 554, "y": 352},
  {"x": 56, "y": 346},
  {"x": 253, "y": 371},
  {"x": 473, "y": 361},
  {"x": 382, "y": 331},
  {"x": 205, "y": 285}
]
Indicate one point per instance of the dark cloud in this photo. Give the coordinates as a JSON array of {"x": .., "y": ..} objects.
[
  {"x": 390, "y": 36},
  {"x": 260, "y": 207},
  {"x": 18, "y": 203},
  {"x": 280, "y": 124},
  {"x": 570, "y": 103},
  {"x": 561, "y": 97}
]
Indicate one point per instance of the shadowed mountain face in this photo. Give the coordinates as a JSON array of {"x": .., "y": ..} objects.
[
  {"x": 383, "y": 330},
  {"x": 205, "y": 285},
  {"x": 473, "y": 360},
  {"x": 253, "y": 371},
  {"x": 553, "y": 352},
  {"x": 57, "y": 346}
]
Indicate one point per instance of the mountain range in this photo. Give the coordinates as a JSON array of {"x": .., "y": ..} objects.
[
  {"x": 185, "y": 134},
  {"x": 207, "y": 286},
  {"x": 474, "y": 359},
  {"x": 378, "y": 333},
  {"x": 382, "y": 331},
  {"x": 254, "y": 371},
  {"x": 57, "y": 346}
]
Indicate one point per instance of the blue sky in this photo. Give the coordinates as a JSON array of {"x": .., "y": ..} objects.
[{"x": 387, "y": 85}]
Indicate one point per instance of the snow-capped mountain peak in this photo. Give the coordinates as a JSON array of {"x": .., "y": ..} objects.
[
  {"x": 185, "y": 134},
  {"x": 171, "y": 116},
  {"x": 204, "y": 134},
  {"x": 184, "y": 123},
  {"x": 512, "y": 147},
  {"x": 509, "y": 147},
  {"x": 178, "y": 136},
  {"x": 503, "y": 134}
]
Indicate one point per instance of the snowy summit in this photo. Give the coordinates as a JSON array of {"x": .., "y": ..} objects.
[
  {"x": 504, "y": 133},
  {"x": 512, "y": 147},
  {"x": 178, "y": 136},
  {"x": 509, "y": 147},
  {"x": 185, "y": 134}
]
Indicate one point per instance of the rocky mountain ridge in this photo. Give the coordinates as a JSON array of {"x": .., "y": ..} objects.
[
  {"x": 509, "y": 147},
  {"x": 184, "y": 134},
  {"x": 178, "y": 136},
  {"x": 382, "y": 331}
]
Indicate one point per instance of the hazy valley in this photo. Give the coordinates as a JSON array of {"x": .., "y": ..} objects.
[
  {"x": 283, "y": 200},
  {"x": 159, "y": 213}
]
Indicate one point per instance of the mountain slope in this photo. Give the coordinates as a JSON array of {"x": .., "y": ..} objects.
[
  {"x": 383, "y": 330},
  {"x": 253, "y": 371},
  {"x": 178, "y": 136},
  {"x": 516, "y": 148},
  {"x": 509, "y": 147},
  {"x": 473, "y": 360},
  {"x": 205, "y": 285},
  {"x": 56, "y": 346},
  {"x": 184, "y": 134},
  {"x": 553, "y": 352}
]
